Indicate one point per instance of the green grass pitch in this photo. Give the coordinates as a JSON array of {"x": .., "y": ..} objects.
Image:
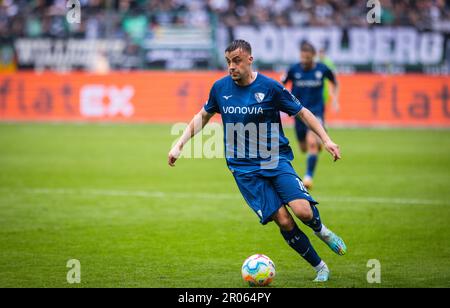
[{"x": 103, "y": 194}]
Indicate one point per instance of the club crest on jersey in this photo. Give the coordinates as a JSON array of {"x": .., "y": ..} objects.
[
  {"x": 319, "y": 75},
  {"x": 259, "y": 97}
]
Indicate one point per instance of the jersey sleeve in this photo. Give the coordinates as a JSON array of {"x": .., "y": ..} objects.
[
  {"x": 286, "y": 102},
  {"x": 287, "y": 76},
  {"x": 330, "y": 75},
  {"x": 211, "y": 105}
]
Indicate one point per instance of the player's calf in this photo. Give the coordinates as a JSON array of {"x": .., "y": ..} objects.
[
  {"x": 310, "y": 216},
  {"x": 284, "y": 219},
  {"x": 295, "y": 238},
  {"x": 307, "y": 213}
]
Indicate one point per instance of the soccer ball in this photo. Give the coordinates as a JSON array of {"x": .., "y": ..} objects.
[{"x": 258, "y": 270}]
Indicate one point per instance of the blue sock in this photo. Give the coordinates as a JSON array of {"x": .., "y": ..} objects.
[
  {"x": 311, "y": 163},
  {"x": 301, "y": 244},
  {"x": 315, "y": 223}
]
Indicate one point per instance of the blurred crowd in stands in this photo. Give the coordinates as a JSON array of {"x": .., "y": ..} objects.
[{"x": 117, "y": 18}]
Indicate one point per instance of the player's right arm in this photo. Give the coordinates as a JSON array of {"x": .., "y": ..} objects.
[{"x": 195, "y": 126}]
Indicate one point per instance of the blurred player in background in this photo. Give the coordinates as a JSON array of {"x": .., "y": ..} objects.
[
  {"x": 323, "y": 58},
  {"x": 308, "y": 85}
]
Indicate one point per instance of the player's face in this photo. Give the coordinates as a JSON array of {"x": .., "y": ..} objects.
[
  {"x": 307, "y": 58},
  {"x": 239, "y": 64}
]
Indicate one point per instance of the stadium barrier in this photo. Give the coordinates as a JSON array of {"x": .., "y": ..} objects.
[{"x": 167, "y": 97}]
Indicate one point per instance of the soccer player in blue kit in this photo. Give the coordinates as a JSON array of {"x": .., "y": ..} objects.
[
  {"x": 308, "y": 80},
  {"x": 250, "y": 105}
]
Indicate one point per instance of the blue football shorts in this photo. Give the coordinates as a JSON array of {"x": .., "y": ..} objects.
[{"x": 267, "y": 190}]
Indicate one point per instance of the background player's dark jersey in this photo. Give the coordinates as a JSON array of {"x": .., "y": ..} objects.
[
  {"x": 308, "y": 85},
  {"x": 257, "y": 103}
]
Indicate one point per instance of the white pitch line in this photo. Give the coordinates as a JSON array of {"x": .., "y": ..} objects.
[{"x": 224, "y": 196}]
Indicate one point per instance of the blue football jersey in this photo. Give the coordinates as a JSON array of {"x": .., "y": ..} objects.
[
  {"x": 257, "y": 108},
  {"x": 307, "y": 85}
]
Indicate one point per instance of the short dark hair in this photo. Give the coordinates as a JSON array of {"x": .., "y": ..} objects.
[
  {"x": 307, "y": 47},
  {"x": 239, "y": 44}
]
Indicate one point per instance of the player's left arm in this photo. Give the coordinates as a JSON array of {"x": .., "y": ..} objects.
[
  {"x": 313, "y": 123},
  {"x": 331, "y": 76}
]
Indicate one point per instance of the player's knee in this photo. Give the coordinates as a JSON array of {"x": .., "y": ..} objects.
[
  {"x": 313, "y": 147},
  {"x": 285, "y": 221},
  {"x": 306, "y": 214},
  {"x": 312, "y": 141},
  {"x": 302, "y": 210},
  {"x": 286, "y": 224}
]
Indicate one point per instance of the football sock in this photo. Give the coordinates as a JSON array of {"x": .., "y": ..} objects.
[
  {"x": 315, "y": 223},
  {"x": 301, "y": 244},
  {"x": 311, "y": 163},
  {"x": 320, "y": 266},
  {"x": 323, "y": 232}
]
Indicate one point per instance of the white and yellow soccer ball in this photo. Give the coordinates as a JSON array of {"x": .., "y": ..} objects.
[{"x": 258, "y": 271}]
